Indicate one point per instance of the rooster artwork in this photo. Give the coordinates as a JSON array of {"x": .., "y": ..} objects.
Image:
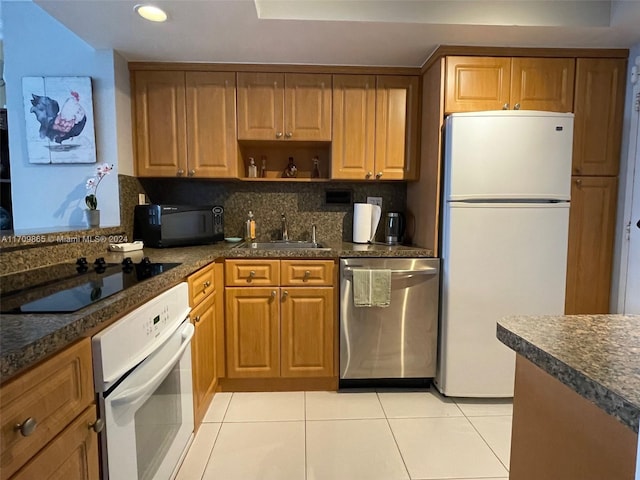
[{"x": 64, "y": 134}]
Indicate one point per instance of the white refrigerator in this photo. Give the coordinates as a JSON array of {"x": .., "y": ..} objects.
[{"x": 507, "y": 183}]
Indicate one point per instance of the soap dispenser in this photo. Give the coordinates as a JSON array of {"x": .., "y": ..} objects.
[{"x": 250, "y": 229}]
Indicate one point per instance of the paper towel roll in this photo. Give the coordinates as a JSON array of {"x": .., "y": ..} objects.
[{"x": 362, "y": 213}]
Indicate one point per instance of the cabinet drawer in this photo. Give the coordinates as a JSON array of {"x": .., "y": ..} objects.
[
  {"x": 201, "y": 284},
  {"x": 307, "y": 273},
  {"x": 52, "y": 394},
  {"x": 252, "y": 273}
]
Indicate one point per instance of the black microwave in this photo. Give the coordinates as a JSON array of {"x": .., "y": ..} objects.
[{"x": 178, "y": 225}]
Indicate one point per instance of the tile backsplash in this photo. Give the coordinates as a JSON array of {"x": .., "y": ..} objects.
[{"x": 302, "y": 202}]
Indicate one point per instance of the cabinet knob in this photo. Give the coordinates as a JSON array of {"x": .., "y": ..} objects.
[
  {"x": 97, "y": 426},
  {"x": 180, "y": 172},
  {"x": 273, "y": 294},
  {"x": 252, "y": 273},
  {"x": 505, "y": 106},
  {"x": 27, "y": 427},
  {"x": 197, "y": 319},
  {"x": 307, "y": 274},
  {"x": 579, "y": 181},
  {"x": 369, "y": 174},
  {"x": 577, "y": 171},
  {"x": 285, "y": 294},
  {"x": 379, "y": 175},
  {"x": 278, "y": 134},
  {"x": 516, "y": 106},
  {"x": 192, "y": 173},
  {"x": 288, "y": 134},
  {"x": 206, "y": 284}
]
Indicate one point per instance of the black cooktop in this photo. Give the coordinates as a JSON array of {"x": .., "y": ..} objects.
[{"x": 66, "y": 288}]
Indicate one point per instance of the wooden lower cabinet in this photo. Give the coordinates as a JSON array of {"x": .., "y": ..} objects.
[
  {"x": 252, "y": 328},
  {"x": 52, "y": 396},
  {"x": 72, "y": 455},
  {"x": 306, "y": 332},
  {"x": 590, "y": 253}
]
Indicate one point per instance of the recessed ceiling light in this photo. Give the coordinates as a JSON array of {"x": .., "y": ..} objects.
[{"x": 151, "y": 13}]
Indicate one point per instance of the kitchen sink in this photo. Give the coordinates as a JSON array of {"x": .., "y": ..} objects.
[{"x": 283, "y": 245}]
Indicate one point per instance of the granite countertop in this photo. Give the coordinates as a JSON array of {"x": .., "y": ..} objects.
[
  {"x": 28, "y": 338},
  {"x": 597, "y": 356}
]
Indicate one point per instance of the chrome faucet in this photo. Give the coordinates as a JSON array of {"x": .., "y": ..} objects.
[
  {"x": 285, "y": 230},
  {"x": 313, "y": 234}
]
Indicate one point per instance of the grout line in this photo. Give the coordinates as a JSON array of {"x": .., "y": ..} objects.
[
  {"x": 394, "y": 438},
  {"x": 486, "y": 442},
  {"x": 211, "y": 451},
  {"x": 224, "y": 415}
]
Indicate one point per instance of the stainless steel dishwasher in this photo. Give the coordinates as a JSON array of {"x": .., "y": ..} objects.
[{"x": 394, "y": 342}]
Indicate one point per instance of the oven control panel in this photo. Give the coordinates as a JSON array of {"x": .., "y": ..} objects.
[{"x": 154, "y": 324}]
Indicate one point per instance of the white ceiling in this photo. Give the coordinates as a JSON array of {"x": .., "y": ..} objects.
[{"x": 343, "y": 32}]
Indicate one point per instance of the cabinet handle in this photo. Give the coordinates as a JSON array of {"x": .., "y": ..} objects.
[
  {"x": 505, "y": 106},
  {"x": 368, "y": 175},
  {"x": 206, "y": 284},
  {"x": 285, "y": 294},
  {"x": 27, "y": 427},
  {"x": 97, "y": 426},
  {"x": 579, "y": 181},
  {"x": 307, "y": 274},
  {"x": 252, "y": 274},
  {"x": 180, "y": 172},
  {"x": 379, "y": 175},
  {"x": 197, "y": 319},
  {"x": 576, "y": 171},
  {"x": 278, "y": 134},
  {"x": 516, "y": 106},
  {"x": 273, "y": 294},
  {"x": 288, "y": 134},
  {"x": 192, "y": 173}
]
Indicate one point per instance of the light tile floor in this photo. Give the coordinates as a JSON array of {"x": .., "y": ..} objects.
[{"x": 350, "y": 436}]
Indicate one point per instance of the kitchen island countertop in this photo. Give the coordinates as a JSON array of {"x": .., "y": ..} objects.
[
  {"x": 26, "y": 339},
  {"x": 597, "y": 356}
]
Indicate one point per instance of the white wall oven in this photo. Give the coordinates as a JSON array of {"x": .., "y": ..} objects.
[{"x": 142, "y": 368}]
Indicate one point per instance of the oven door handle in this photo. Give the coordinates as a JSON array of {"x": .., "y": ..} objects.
[
  {"x": 132, "y": 394},
  {"x": 348, "y": 271}
]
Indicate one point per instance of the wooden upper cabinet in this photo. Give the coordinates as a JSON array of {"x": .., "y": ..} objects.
[
  {"x": 185, "y": 124},
  {"x": 542, "y": 84},
  {"x": 600, "y": 86},
  {"x": 375, "y": 127},
  {"x": 354, "y": 124},
  {"x": 591, "y": 233},
  {"x": 307, "y": 113},
  {"x": 477, "y": 83},
  {"x": 160, "y": 123},
  {"x": 276, "y": 106},
  {"x": 396, "y": 128},
  {"x": 212, "y": 147},
  {"x": 501, "y": 83}
]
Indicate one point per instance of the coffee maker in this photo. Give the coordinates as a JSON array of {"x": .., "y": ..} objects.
[{"x": 393, "y": 228}]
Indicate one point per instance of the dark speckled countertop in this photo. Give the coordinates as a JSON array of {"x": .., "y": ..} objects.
[
  {"x": 598, "y": 356},
  {"x": 28, "y": 338}
]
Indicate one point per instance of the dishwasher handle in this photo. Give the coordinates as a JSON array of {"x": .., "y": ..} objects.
[{"x": 348, "y": 271}]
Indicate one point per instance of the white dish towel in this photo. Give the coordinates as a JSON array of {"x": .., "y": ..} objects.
[{"x": 371, "y": 287}]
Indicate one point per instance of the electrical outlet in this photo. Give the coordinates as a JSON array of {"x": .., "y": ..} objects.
[{"x": 375, "y": 201}]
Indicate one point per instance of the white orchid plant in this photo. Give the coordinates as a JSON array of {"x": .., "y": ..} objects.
[{"x": 92, "y": 185}]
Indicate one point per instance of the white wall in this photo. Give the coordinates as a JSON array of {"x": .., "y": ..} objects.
[
  {"x": 50, "y": 197},
  {"x": 624, "y": 195}
]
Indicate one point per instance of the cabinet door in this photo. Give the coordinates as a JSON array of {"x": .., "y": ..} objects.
[
  {"x": 477, "y": 83},
  {"x": 542, "y": 84},
  {"x": 307, "y": 104},
  {"x": 600, "y": 89},
  {"x": 396, "y": 128},
  {"x": 307, "y": 325},
  {"x": 252, "y": 328},
  {"x": 260, "y": 106},
  {"x": 353, "y": 145},
  {"x": 591, "y": 232},
  {"x": 160, "y": 123},
  {"x": 71, "y": 455},
  {"x": 203, "y": 353},
  {"x": 211, "y": 124}
]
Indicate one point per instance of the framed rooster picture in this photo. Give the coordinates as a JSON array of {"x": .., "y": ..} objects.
[{"x": 59, "y": 118}]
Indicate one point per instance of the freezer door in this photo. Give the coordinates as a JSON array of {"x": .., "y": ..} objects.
[
  {"x": 512, "y": 155},
  {"x": 498, "y": 260}
]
